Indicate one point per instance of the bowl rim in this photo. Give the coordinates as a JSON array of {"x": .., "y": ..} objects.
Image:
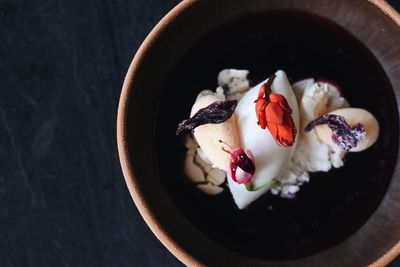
[{"x": 122, "y": 139}]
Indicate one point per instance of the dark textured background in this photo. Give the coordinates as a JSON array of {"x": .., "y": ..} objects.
[{"x": 63, "y": 200}]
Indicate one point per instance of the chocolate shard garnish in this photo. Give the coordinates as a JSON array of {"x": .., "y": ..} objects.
[
  {"x": 343, "y": 135},
  {"x": 215, "y": 113}
]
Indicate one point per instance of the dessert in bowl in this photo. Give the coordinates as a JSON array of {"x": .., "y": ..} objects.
[
  {"x": 334, "y": 214},
  {"x": 280, "y": 160}
]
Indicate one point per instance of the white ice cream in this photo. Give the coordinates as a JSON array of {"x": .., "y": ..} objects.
[{"x": 270, "y": 158}]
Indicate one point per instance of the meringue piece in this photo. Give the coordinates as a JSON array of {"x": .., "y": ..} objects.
[
  {"x": 193, "y": 171},
  {"x": 316, "y": 99},
  {"x": 234, "y": 80},
  {"x": 190, "y": 143},
  {"x": 210, "y": 189},
  {"x": 270, "y": 158},
  {"x": 216, "y": 176},
  {"x": 312, "y": 155},
  {"x": 205, "y": 165},
  {"x": 208, "y": 135},
  {"x": 352, "y": 117}
]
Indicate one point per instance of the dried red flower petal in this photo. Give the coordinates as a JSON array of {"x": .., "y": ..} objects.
[
  {"x": 273, "y": 112},
  {"x": 215, "y": 113}
]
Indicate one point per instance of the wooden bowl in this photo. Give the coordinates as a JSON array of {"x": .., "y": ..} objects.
[{"x": 347, "y": 217}]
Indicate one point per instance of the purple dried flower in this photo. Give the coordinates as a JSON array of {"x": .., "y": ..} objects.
[
  {"x": 215, "y": 113},
  {"x": 345, "y": 136}
]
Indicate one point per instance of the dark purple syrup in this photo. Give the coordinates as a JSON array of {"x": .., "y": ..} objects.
[{"x": 333, "y": 205}]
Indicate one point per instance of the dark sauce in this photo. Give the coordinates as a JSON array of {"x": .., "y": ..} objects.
[{"x": 333, "y": 205}]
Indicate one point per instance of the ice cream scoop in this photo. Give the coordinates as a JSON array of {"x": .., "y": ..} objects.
[
  {"x": 208, "y": 135},
  {"x": 270, "y": 157},
  {"x": 353, "y": 116}
]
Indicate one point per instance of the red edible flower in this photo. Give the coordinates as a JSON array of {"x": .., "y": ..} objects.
[
  {"x": 273, "y": 112},
  {"x": 241, "y": 166}
]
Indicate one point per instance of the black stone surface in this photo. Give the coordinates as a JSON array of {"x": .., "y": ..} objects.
[{"x": 63, "y": 200}]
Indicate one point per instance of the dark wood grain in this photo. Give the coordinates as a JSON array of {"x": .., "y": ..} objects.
[{"x": 63, "y": 201}]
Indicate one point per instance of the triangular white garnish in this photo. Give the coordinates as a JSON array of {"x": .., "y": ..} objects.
[{"x": 270, "y": 158}]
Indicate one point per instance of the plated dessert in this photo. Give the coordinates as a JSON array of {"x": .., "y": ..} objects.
[
  {"x": 348, "y": 214},
  {"x": 270, "y": 137}
]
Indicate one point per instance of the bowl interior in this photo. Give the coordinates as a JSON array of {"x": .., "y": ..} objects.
[
  {"x": 337, "y": 212},
  {"x": 333, "y": 205}
]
